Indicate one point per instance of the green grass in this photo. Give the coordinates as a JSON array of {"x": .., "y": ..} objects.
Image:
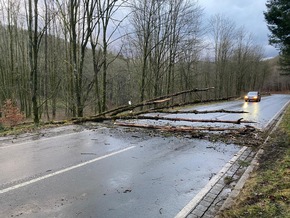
[{"x": 267, "y": 193}]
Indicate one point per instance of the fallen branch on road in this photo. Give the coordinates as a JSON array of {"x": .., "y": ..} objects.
[
  {"x": 194, "y": 111},
  {"x": 185, "y": 128},
  {"x": 153, "y": 101},
  {"x": 239, "y": 121},
  {"x": 100, "y": 119}
]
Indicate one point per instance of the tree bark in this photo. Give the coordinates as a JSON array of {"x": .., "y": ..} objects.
[
  {"x": 33, "y": 56},
  {"x": 239, "y": 121},
  {"x": 183, "y": 128},
  {"x": 157, "y": 100}
]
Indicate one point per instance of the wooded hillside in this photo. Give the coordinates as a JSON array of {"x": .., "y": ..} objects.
[{"x": 73, "y": 58}]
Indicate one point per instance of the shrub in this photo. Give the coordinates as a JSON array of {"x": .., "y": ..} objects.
[{"x": 11, "y": 114}]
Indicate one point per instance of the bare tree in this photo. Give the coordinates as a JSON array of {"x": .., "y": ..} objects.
[
  {"x": 246, "y": 61},
  {"x": 241, "y": 59},
  {"x": 101, "y": 38},
  {"x": 75, "y": 22},
  {"x": 34, "y": 41},
  {"x": 223, "y": 31},
  {"x": 88, "y": 21},
  {"x": 161, "y": 29}
]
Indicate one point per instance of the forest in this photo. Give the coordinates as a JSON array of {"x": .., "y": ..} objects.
[{"x": 72, "y": 58}]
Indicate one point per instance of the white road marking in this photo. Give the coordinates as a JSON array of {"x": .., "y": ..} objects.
[
  {"x": 192, "y": 204},
  {"x": 63, "y": 171}
]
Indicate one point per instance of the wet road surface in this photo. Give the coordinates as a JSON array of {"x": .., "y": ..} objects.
[
  {"x": 260, "y": 112},
  {"x": 116, "y": 172}
]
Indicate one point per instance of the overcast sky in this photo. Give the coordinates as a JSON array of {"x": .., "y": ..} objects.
[{"x": 246, "y": 13}]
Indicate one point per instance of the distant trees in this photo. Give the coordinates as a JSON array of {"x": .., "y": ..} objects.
[
  {"x": 13, "y": 72},
  {"x": 161, "y": 32},
  {"x": 223, "y": 33},
  {"x": 65, "y": 58},
  {"x": 46, "y": 61},
  {"x": 278, "y": 18},
  {"x": 237, "y": 61}
]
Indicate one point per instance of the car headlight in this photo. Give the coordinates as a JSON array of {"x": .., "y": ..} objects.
[
  {"x": 255, "y": 97},
  {"x": 246, "y": 96}
]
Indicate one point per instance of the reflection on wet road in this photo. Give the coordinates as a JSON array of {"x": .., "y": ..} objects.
[{"x": 260, "y": 112}]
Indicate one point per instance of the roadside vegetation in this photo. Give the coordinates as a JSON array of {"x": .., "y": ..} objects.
[
  {"x": 11, "y": 121},
  {"x": 267, "y": 192}
]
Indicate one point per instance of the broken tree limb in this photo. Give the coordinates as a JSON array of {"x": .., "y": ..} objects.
[
  {"x": 153, "y": 101},
  {"x": 100, "y": 119},
  {"x": 239, "y": 121},
  {"x": 160, "y": 99},
  {"x": 79, "y": 120},
  {"x": 192, "y": 111},
  {"x": 181, "y": 93},
  {"x": 179, "y": 128},
  {"x": 152, "y": 110},
  {"x": 124, "y": 108}
]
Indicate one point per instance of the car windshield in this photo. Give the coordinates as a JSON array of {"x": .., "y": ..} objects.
[{"x": 252, "y": 93}]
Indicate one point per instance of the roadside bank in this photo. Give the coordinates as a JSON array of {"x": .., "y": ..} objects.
[{"x": 266, "y": 192}]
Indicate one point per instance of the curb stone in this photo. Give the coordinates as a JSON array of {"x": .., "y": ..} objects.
[{"x": 209, "y": 205}]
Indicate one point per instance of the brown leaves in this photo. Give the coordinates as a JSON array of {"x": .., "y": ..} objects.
[{"x": 10, "y": 114}]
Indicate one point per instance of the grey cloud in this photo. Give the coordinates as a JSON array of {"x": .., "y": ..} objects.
[{"x": 245, "y": 13}]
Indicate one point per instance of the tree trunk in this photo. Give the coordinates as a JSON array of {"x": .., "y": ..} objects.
[{"x": 33, "y": 56}]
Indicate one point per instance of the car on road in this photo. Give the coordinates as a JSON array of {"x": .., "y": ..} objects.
[{"x": 253, "y": 96}]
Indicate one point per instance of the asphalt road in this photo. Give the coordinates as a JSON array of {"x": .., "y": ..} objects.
[{"x": 117, "y": 172}]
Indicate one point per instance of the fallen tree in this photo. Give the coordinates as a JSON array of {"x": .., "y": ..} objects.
[
  {"x": 166, "y": 111},
  {"x": 186, "y": 128},
  {"x": 128, "y": 117},
  {"x": 126, "y": 112},
  {"x": 158, "y": 100},
  {"x": 239, "y": 121}
]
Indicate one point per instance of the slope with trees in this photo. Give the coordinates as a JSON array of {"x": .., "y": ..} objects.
[{"x": 79, "y": 57}]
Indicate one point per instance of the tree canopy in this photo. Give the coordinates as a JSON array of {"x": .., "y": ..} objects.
[{"x": 278, "y": 18}]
